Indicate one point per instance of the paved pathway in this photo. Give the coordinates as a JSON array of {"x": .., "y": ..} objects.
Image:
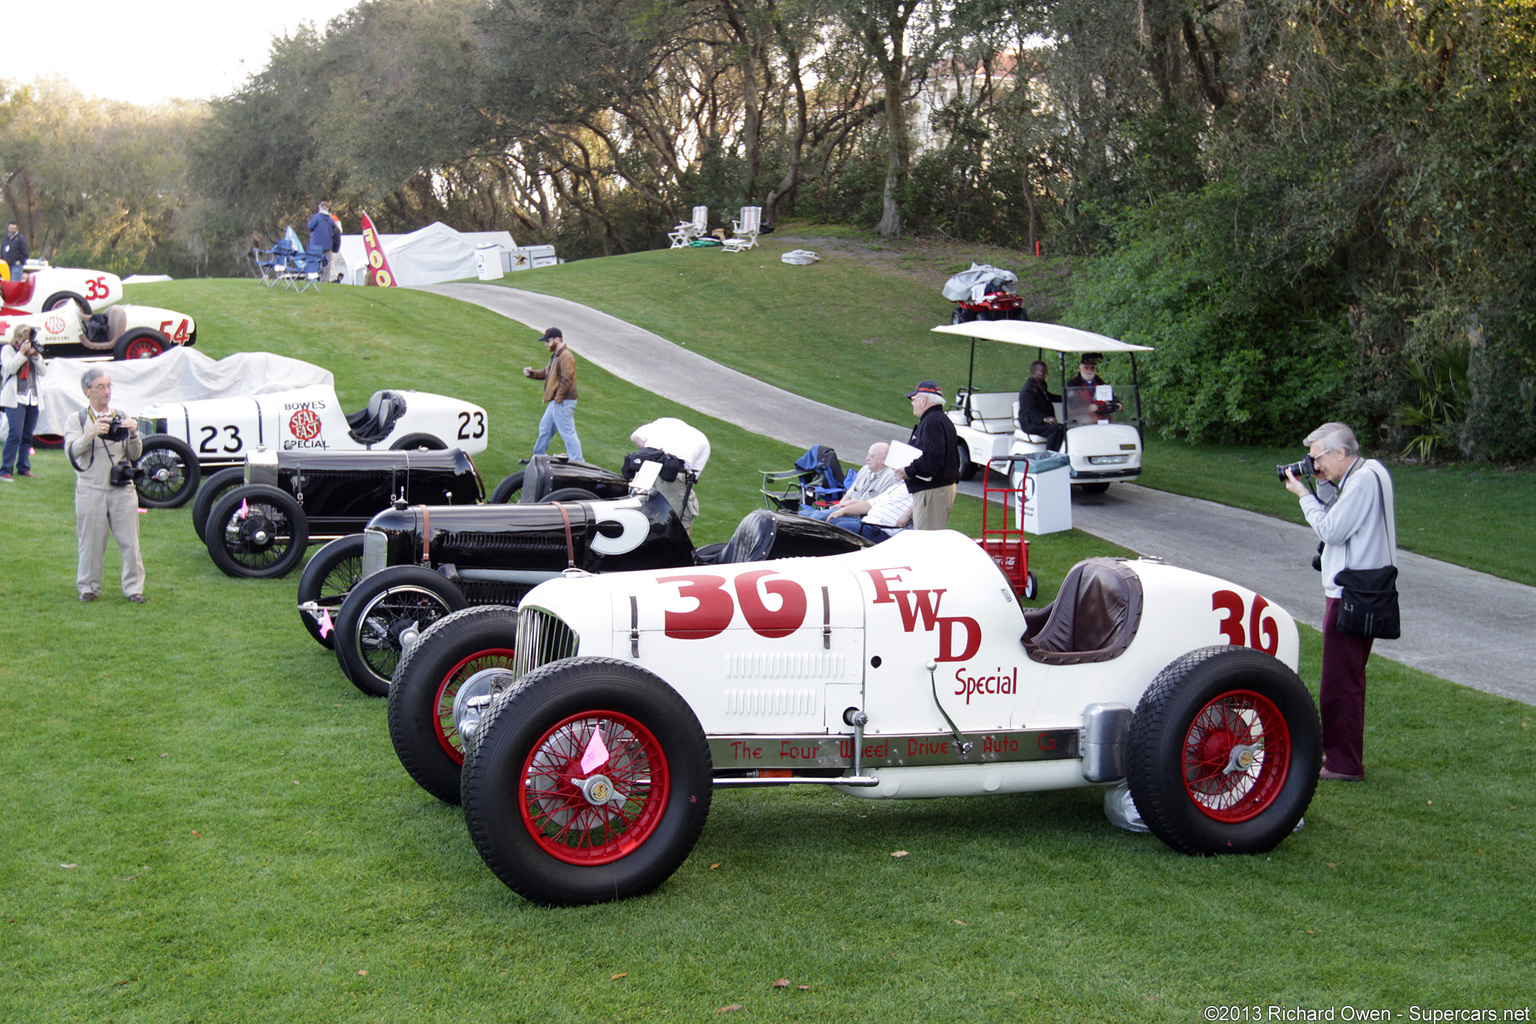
[{"x": 1465, "y": 626}]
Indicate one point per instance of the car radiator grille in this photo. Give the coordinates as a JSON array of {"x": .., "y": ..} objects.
[
  {"x": 375, "y": 551},
  {"x": 541, "y": 639},
  {"x": 494, "y": 592}
]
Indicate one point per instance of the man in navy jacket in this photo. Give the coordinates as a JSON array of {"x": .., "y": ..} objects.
[{"x": 933, "y": 475}]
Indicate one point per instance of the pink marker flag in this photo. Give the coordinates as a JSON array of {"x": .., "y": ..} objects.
[
  {"x": 245, "y": 510},
  {"x": 596, "y": 754},
  {"x": 327, "y": 627}
]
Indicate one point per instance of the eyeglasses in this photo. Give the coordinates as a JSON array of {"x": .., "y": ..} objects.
[{"x": 105, "y": 386}]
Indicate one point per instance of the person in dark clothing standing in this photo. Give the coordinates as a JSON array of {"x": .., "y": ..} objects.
[
  {"x": 324, "y": 237},
  {"x": 1037, "y": 415},
  {"x": 14, "y": 251},
  {"x": 932, "y": 476}
]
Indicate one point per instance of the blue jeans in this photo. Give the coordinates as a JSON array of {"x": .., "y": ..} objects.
[
  {"x": 559, "y": 416},
  {"x": 18, "y": 443}
]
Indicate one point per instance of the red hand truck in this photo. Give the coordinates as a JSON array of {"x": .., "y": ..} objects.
[{"x": 1007, "y": 545}]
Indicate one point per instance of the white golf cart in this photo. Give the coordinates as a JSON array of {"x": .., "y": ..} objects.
[{"x": 1103, "y": 424}]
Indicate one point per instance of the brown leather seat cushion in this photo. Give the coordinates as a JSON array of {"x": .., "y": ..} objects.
[{"x": 1093, "y": 618}]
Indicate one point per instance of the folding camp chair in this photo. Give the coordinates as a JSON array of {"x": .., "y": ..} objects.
[
  {"x": 264, "y": 258},
  {"x": 685, "y": 232},
  {"x": 304, "y": 270},
  {"x": 818, "y": 478},
  {"x": 745, "y": 230}
]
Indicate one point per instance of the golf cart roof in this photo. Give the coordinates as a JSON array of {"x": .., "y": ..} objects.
[{"x": 1036, "y": 335}]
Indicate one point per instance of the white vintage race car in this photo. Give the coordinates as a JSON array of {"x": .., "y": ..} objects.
[
  {"x": 44, "y": 288},
  {"x": 907, "y": 669},
  {"x": 186, "y": 437},
  {"x": 119, "y": 332}
]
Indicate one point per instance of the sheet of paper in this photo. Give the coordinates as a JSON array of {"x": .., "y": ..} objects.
[
  {"x": 645, "y": 476},
  {"x": 902, "y": 455}
]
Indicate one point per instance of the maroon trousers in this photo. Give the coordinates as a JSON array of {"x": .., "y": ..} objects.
[{"x": 1342, "y": 695}]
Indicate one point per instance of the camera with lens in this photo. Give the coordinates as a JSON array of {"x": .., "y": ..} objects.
[
  {"x": 125, "y": 473},
  {"x": 115, "y": 430},
  {"x": 1306, "y": 467}
]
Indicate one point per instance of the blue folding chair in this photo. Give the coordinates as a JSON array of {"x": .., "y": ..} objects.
[{"x": 818, "y": 479}]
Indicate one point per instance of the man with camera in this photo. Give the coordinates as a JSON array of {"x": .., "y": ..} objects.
[
  {"x": 103, "y": 445},
  {"x": 1354, "y": 517}
]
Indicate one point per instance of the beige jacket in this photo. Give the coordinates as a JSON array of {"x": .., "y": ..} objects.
[{"x": 94, "y": 456}]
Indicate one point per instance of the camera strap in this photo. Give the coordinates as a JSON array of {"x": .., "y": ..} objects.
[
  {"x": 84, "y": 413},
  {"x": 86, "y": 417}
]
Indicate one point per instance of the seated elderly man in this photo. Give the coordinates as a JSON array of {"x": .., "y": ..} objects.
[
  {"x": 872, "y": 481},
  {"x": 876, "y": 518}
]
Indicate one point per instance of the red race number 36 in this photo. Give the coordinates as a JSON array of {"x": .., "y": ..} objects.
[
  {"x": 714, "y": 608},
  {"x": 1263, "y": 632}
]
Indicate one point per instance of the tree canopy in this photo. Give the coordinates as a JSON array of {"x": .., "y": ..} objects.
[{"x": 1312, "y": 211}]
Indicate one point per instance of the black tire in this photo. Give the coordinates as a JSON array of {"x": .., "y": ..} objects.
[
  {"x": 531, "y": 838},
  {"x": 509, "y": 490},
  {"x": 1031, "y": 585},
  {"x": 419, "y": 442},
  {"x": 58, "y": 299},
  {"x": 140, "y": 343},
  {"x": 1097, "y": 487},
  {"x": 171, "y": 472},
  {"x": 1224, "y": 752},
  {"x": 967, "y": 467},
  {"x": 571, "y": 494},
  {"x": 327, "y": 580},
  {"x": 957, "y": 315},
  {"x": 215, "y": 487},
  {"x": 429, "y": 676},
  {"x": 376, "y": 614},
  {"x": 265, "y": 540}
]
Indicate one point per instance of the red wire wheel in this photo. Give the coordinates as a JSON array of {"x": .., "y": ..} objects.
[
  {"x": 431, "y": 675},
  {"x": 594, "y": 787},
  {"x": 1237, "y": 753},
  {"x": 587, "y": 781},
  {"x": 442, "y": 722},
  {"x": 1223, "y": 752}
]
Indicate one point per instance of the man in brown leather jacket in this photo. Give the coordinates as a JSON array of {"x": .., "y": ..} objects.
[{"x": 559, "y": 379}]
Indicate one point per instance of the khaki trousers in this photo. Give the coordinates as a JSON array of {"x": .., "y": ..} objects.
[
  {"x": 99, "y": 512},
  {"x": 930, "y": 508}
]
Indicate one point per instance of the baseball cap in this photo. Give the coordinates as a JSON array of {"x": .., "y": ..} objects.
[
  {"x": 927, "y": 387},
  {"x": 553, "y": 332}
]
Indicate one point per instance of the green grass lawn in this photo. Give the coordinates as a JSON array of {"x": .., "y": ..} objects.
[{"x": 206, "y": 822}]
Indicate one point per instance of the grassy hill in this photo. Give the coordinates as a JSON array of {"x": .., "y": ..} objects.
[{"x": 206, "y": 822}]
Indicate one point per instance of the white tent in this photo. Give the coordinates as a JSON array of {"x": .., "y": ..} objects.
[{"x": 434, "y": 253}]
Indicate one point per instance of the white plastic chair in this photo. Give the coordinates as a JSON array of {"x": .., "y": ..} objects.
[
  {"x": 745, "y": 229},
  {"x": 685, "y": 232}
]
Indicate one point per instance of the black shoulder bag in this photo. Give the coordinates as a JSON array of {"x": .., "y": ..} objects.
[{"x": 1368, "y": 597}]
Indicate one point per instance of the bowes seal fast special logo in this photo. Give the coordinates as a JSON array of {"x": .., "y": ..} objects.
[{"x": 304, "y": 425}]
